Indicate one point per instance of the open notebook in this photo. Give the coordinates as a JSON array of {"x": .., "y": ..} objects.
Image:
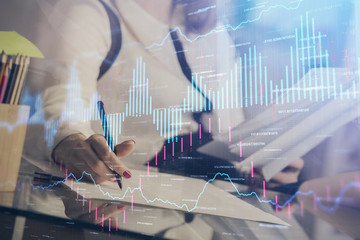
[
  {"x": 286, "y": 131},
  {"x": 169, "y": 191}
]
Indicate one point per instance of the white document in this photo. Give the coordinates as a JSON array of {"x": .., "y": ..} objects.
[
  {"x": 285, "y": 132},
  {"x": 175, "y": 192}
]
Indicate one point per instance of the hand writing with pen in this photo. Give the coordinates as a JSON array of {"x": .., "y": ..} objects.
[{"x": 92, "y": 155}]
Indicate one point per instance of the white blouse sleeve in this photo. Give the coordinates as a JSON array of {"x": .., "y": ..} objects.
[{"x": 74, "y": 37}]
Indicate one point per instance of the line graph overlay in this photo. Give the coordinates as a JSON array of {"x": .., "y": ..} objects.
[
  {"x": 226, "y": 27},
  {"x": 171, "y": 192},
  {"x": 129, "y": 190}
]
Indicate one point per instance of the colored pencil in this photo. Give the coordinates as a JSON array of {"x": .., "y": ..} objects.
[
  {"x": 2, "y": 65},
  {"x": 22, "y": 80},
  {"x": 4, "y": 81},
  {"x": 17, "y": 80},
  {"x": 12, "y": 79}
]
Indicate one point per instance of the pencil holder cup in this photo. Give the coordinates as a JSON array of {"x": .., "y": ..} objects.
[{"x": 13, "y": 123}]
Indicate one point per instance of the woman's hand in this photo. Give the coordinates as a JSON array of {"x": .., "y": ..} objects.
[
  {"x": 290, "y": 174},
  {"x": 92, "y": 155}
]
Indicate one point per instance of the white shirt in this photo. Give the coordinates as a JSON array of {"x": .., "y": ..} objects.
[{"x": 75, "y": 39}]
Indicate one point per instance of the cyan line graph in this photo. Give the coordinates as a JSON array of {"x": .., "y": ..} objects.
[
  {"x": 226, "y": 27},
  {"x": 329, "y": 209}
]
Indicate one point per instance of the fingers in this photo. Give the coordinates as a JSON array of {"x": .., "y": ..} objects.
[
  {"x": 298, "y": 164},
  {"x": 97, "y": 177},
  {"x": 289, "y": 174},
  {"x": 125, "y": 148},
  {"x": 93, "y": 156},
  {"x": 78, "y": 157},
  {"x": 294, "y": 166},
  {"x": 286, "y": 177},
  {"x": 98, "y": 143},
  {"x": 78, "y": 171},
  {"x": 85, "y": 156}
]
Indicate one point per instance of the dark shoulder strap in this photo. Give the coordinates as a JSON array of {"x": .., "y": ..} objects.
[
  {"x": 187, "y": 70},
  {"x": 116, "y": 41}
]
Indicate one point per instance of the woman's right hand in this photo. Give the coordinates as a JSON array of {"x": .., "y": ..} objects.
[{"x": 92, "y": 155}]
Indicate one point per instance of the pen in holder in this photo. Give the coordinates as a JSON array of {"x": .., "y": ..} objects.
[{"x": 13, "y": 123}]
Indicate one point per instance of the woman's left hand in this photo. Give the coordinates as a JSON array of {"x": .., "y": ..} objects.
[{"x": 289, "y": 174}]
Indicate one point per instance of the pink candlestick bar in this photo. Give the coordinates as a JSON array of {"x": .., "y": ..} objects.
[
  {"x": 117, "y": 223},
  {"x": 89, "y": 206},
  {"x": 182, "y": 145},
  {"x": 199, "y": 131},
  {"x": 190, "y": 138},
  {"x": 164, "y": 153},
  {"x": 66, "y": 174},
  {"x": 252, "y": 169},
  {"x": 241, "y": 149},
  {"x": 219, "y": 125},
  {"x": 156, "y": 155},
  {"x": 132, "y": 202},
  {"x": 173, "y": 149},
  {"x": 209, "y": 125},
  {"x": 124, "y": 217},
  {"x": 264, "y": 189},
  {"x": 83, "y": 200},
  {"x": 96, "y": 214},
  {"x": 109, "y": 224},
  {"x": 102, "y": 220},
  {"x": 276, "y": 204},
  {"x": 72, "y": 183},
  {"x": 229, "y": 134},
  {"x": 289, "y": 211}
]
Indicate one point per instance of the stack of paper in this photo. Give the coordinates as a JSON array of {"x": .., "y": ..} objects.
[
  {"x": 174, "y": 192},
  {"x": 285, "y": 132}
]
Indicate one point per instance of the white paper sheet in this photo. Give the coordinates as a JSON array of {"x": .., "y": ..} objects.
[
  {"x": 175, "y": 192},
  {"x": 285, "y": 132}
]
